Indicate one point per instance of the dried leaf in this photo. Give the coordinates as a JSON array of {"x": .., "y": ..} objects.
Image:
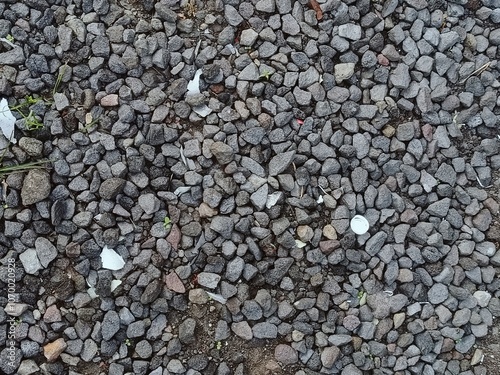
[{"x": 315, "y": 5}]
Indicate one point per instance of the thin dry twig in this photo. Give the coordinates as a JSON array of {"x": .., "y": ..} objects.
[{"x": 479, "y": 70}]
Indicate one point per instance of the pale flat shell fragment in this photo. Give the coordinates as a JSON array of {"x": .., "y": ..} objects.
[
  {"x": 193, "y": 86},
  {"x": 7, "y": 121},
  {"x": 115, "y": 284},
  {"x": 202, "y": 110},
  {"x": 111, "y": 260}
]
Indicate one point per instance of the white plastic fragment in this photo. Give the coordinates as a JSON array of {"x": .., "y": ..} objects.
[
  {"x": 217, "y": 297},
  {"x": 202, "y": 110},
  {"x": 111, "y": 260},
  {"x": 320, "y": 199},
  {"x": 359, "y": 224},
  {"x": 7, "y": 121},
  {"x": 193, "y": 86}
]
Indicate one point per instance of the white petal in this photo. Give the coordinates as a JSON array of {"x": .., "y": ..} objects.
[
  {"x": 7, "y": 121},
  {"x": 111, "y": 259}
]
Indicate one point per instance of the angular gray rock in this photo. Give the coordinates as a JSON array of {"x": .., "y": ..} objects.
[
  {"x": 279, "y": 163},
  {"x": 36, "y": 187}
]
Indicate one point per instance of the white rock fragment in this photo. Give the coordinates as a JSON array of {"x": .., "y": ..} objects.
[{"x": 111, "y": 260}]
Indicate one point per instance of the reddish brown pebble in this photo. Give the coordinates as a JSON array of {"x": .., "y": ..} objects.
[{"x": 174, "y": 283}]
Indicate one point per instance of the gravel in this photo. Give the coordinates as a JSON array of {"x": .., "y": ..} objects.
[{"x": 221, "y": 150}]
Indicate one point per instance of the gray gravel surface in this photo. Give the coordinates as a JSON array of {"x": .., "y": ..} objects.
[{"x": 221, "y": 148}]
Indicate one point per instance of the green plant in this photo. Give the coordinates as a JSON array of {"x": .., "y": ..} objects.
[
  {"x": 127, "y": 342},
  {"x": 167, "y": 222},
  {"x": 59, "y": 78},
  {"x": 30, "y": 119},
  {"x": 265, "y": 74},
  {"x": 20, "y": 168},
  {"x": 219, "y": 345},
  {"x": 10, "y": 38}
]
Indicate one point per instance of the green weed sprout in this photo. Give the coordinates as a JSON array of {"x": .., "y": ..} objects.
[
  {"x": 31, "y": 121},
  {"x": 167, "y": 223},
  {"x": 266, "y": 74},
  {"x": 59, "y": 78}
]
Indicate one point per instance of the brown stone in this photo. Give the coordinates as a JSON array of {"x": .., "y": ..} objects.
[
  {"x": 206, "y": 211},
  {"x": 174, "y": 283},
  {"x": 52, "y": 314},
  {"x": 52, "y": 350},
  {"x": 174, "y": 237},
  {"x": 328, "y": 246}
]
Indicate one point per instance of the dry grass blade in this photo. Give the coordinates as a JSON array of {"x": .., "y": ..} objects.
[
  {"x": 479, "y": 70},
  {"x": 20, "y": 168}
]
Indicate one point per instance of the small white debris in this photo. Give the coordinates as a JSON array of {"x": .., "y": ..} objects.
[
  {"x": 7, "y": 121},
  {"x": 359, "y": 224},
  {"x": 181, "y": 190},
  {"x": 115, "y": 284},
  {"x": 111, "y": 260},
  {"x": 202, "y": 110},
  {"x": 272, "y": 199},
  {"x": 193, "y": 86},
  {"x": 217, "y": 297},
  {"x": 300, "y": 244}
]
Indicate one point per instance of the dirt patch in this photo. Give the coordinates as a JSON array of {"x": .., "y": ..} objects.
[{"x": 490, "y": 346}]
